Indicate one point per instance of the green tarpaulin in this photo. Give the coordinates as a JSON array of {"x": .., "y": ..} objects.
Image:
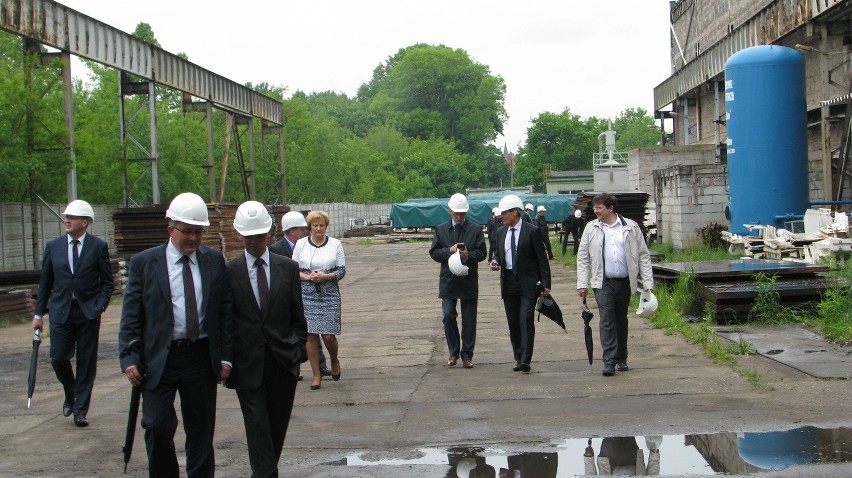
[{"x": 423, "y": 212}]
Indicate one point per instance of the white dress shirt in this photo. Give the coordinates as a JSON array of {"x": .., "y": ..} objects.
[{"x": 175, "y": 266}]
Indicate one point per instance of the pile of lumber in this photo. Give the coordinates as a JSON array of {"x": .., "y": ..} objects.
[
  {"x": 16, "y": 304},
  {"x": 630, "y": 205}
]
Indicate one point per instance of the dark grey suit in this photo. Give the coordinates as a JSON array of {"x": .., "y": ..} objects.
[
  {"x": 520, "y": 288},
  {"x": 269, "y": 345},
  {"x": 174, "y": 366},
  {"x": 75, "y": 321},
  {"x": 282, "y": 248}
]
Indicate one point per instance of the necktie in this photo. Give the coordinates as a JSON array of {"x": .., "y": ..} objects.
[
  {"x": 262, "y": 284},
  {"x": 514, "y": 253},
  {"x": 191, "y": 303},
  {"x": 75, "y": 255}
]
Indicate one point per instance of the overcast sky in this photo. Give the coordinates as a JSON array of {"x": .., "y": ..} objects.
[{"x": 595, "y": 57}]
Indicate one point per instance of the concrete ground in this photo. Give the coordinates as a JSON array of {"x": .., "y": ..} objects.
[{"x": 397, "y": 396}]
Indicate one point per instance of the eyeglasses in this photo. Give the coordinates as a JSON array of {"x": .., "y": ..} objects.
[{"x": 194, "y": 232}]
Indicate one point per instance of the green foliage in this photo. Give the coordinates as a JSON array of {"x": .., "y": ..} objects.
[
  {"x": 711, "y": 235},
  {"x": 767, "y": 307},
  {"x": 692, "y": 254},
  {"x": 834, "y": 313}
]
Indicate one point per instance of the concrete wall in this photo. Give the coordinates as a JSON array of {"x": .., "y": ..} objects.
[{"x": 689, "y": 197}]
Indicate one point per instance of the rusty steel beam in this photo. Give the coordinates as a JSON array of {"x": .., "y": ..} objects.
[{"x": 69, "y": 30}]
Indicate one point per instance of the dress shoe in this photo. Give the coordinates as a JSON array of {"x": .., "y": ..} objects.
[
  {"x": 516, "y": 368},
  {"x": 608, "y": 370},
  {"x": 316, "y": 387},
  {"x": 80, "y": 420},
  {"x": 66, "y": 409},
  {"x": 467, "y": 363},
  {"x": 525, "y": 368},
  {"x": 622, "y": 367},
  {"x": 325, "y": 372},
  {"x": 300, "y": 377},
  {"x": 451, "y": 362}
]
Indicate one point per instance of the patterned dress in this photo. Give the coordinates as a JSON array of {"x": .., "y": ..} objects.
[{"x": 321, "y": 300}]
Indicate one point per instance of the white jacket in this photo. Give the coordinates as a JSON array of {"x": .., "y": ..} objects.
[{"x": 590, "y": 264}]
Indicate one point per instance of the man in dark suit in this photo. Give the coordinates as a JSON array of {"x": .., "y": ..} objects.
[
  {"x": 525, "y": 274},
  {"x": 459, "y": 281},
  {"x": 175, "y": 337},
  {"x": 269, "y": 338},
  {"x": 76, "y": 277},
  {"x": 295, "y": 227}
]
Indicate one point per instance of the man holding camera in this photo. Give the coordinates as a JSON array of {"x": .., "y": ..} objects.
[{"x": 459, "y": 245}]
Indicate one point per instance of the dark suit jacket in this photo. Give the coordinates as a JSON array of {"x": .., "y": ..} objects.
[
  {"x": 91, "y": 284},
  {"x": 282, "y": 327},
  {"x": 282, "y": 248},
  {"x": 147, "y": 311},
  {"x": 532, "y": 265},
  {"x": 451, "y": 286}
]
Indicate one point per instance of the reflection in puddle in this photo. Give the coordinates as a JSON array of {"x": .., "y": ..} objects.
[{"x": 697, "y": 454}]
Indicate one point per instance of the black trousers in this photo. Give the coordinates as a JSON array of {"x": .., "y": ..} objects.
[
  {"x": 520, "y": 310},
  {"x": 266, "y": 414},
  {"x": 81, "y": 334},
  {"x": 189, "y": 373},
  {"x": 613, "y": 299}
]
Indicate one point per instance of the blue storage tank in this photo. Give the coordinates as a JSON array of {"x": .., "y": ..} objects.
[{"x": 766, "y": 119}]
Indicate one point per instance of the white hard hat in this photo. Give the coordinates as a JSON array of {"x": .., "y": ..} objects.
[
  {"x": 529, "y": 206},
  {"x": 578, "y": 214},
  {"x": 541, "y": 208},
  {"x": 188, "y": 208},
  {"x": 496, "y": 211},
  {"x": 458, "y": 203},
  {"x": 252, "y": 219},
  {"x": 456, "y": 266},
  {"x": 647, "y": 303},
  {"x": 293, "y": 219},
  {"x": 80, "y": 208},
  {"x": 510, "y": 201}
]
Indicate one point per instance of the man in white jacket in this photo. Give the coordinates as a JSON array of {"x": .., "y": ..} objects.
[{"x": 613, "y": 257}]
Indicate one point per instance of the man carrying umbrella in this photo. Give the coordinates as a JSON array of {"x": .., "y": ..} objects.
[
  {"x": 76, "y": 278},
  {"x": 613, "y": 257}
]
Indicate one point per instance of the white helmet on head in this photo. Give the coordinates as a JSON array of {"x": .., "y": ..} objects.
[
  {"x": 456, "y": 266},
  {"x": 293, "y": 219},
  {"x": 80, "y": 208},
  {"x": 541, "y": 208},
  {"x": 495, "y": 211},
  {"x": 647, "y": 303},
  {"x": 188, "y": 208},
  {"x": 252, "y": 219},
  {"x": 510, "y": 201},
  {"x": 578, "y": 214},
  {"x": 458, "y": 203},
  {"x": 529, "y": 206}
]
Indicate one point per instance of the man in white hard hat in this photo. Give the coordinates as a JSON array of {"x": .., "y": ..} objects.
[
  {"x": 491, "y": 229},
  {"x": 572, "y": 225},
  {"x": 295, "y": 227},
  {"x": 527, "y": 213},
  {"x": 176, "y": 337},
  {"x": 269, "y": 336},
  {"x": 77, "y": 283},
  {"x": 524, "y": 276},
  {"x": 541, "y": 222},
  {"x": 614, "y": 258},
  {"x": 459, "y": 236}
]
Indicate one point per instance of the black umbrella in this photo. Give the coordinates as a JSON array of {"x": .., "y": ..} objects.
[
  {"x": 587, "y": 331},
  {"x": 545, "y": 305},
  {"x": 33, "y": 367},
  {"x": 133, "y": 411}
]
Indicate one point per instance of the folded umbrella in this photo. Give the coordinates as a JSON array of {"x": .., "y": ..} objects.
[
  {"x": 133, "y": 409},
  {"x": 545, "y": 305},
  {"x": 587, "y": 331},
  {"x": 31, "y": 379}
]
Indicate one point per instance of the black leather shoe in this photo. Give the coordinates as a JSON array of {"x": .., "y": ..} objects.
[
  {"x": 608, "y": 370},
  {"x": 66, "y": 409},
  {"x": 325, "y": 372},
  {"x": 80, "y": 420},
  {"x": 525, "y": 368},
  {"x": 516, "y": 368},
  {"x": 622, "y": 367}
]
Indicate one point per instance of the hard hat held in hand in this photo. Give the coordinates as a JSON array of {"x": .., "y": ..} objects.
[
  {"x": 188, "y": 208},
  {"x": 508, "y": 202},
  {"x": 456, "y": 266},
  {"x": 293, "y": 219},
  {"x": 458, "y": 203},
  {"x": 252, "y": 219},
  {"x": 79, "y": 208},
  {"x": 647, "y": 303}
]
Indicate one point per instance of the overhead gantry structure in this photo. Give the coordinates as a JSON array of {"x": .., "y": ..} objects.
[{"x": 141, "y": 66}]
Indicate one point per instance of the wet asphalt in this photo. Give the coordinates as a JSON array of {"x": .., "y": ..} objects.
[{"x": 397, "y": 395}]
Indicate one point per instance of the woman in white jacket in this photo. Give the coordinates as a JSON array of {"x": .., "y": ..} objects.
[{"x": 613, "y": 257}]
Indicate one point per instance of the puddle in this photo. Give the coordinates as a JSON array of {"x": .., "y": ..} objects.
[{"x": 740, "y": 453}]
